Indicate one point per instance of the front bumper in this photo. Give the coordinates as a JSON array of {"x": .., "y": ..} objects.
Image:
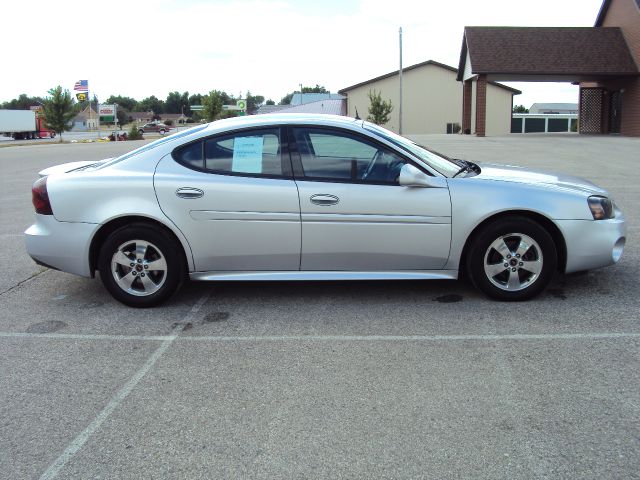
[
  {"x": 61, "y": 245},
  {"x": 593, "y": 243}
]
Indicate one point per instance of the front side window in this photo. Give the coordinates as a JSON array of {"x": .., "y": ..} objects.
[
  {"x": 342, "y": 156},
  {"x": 437, "y": 161},
  {"x": 256, "y": 152}
]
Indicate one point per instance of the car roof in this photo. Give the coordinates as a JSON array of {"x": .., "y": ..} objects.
[{"x": 284, "y": 118}]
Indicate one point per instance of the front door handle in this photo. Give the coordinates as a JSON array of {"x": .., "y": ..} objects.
[
  {"x": 189, "y": 192},
  {"x": 324, "y": 199}
]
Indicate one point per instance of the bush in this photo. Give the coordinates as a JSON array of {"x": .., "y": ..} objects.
[
  {"x": 134, "y": 133},
  {"x": 168, "y": 123}
]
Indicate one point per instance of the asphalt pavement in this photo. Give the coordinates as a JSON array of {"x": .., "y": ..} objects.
[{"x": 324, "y": 380}]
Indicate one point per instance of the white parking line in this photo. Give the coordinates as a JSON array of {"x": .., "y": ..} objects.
[
  {"x": 117, "y": 399},
  {"x": 409, "y": 338},
  {"x": 327, "y": 338}
]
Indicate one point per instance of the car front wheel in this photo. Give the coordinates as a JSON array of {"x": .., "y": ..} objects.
[
  {"x": 140, "y": 266},
  {"x": 512, "y": 258}
]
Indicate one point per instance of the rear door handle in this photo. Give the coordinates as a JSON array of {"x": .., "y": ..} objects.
[
  {"x": 189, "y": 192},
  {"x": 324, "y": 199}
]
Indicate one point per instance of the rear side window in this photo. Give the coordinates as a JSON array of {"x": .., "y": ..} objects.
[{"x": 256, "y": 152}]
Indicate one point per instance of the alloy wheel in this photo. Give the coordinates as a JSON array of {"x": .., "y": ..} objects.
[
  {"x": 139, "y": 268},
  {"x": 513, "y": 262}
]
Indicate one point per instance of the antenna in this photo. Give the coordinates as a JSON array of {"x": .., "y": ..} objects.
[{"x": 357, "y": 116}]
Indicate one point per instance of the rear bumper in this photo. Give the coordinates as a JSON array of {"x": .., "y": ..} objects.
[
  {"x": 60, "y": 245},
  {"x": 593, "y": 243}
]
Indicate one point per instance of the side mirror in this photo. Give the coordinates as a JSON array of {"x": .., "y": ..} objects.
[{"x": 411, "y": 176}]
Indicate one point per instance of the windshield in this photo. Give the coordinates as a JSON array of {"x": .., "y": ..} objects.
[
  {"x": 441, "y": 163},
  {"x": 157, "y": 143}
]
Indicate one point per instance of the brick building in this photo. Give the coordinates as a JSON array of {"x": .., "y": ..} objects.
[
  {"x": 602, "y": 59},
  {"x": 621, "y": 94}
]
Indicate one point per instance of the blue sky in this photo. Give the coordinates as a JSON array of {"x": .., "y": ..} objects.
[{"x": 139, "y": 48}]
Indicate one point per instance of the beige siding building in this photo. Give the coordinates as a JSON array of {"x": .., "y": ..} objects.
[{"x": 431, "y": 100}]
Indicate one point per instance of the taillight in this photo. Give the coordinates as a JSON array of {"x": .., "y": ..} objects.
[{"x": 40, "y": 197}]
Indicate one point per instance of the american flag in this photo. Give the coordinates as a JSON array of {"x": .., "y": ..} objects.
[{"x": 81, "y": 86}]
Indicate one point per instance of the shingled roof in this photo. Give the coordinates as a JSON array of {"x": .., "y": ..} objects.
[{"x": 579, "y": 52}]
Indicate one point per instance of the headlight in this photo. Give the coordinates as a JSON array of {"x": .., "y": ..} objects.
[{"x": 601, "y": 207}]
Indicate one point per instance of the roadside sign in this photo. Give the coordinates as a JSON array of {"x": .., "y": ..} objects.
[
  {"x": 107, "y": 113},
  {"x": 240, "y": 107}
]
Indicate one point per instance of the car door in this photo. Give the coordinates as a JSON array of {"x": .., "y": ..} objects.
[
  {"x": 234, "y": 198},
  {"x": 355, "y": 215}
]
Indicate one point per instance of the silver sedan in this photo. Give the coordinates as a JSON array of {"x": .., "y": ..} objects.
[{"x": 299, "y": 197}]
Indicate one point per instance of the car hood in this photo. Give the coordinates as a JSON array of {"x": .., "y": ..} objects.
[
  {"x": 72, "y": 166},
  {"x": 510, "y": 173}
]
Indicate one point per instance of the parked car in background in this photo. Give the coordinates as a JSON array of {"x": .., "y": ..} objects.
[
  {"x": 160, "y": 128},
  {"x": 314, "y": 197}
]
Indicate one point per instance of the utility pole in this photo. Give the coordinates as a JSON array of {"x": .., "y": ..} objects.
[{"x": 400, "y": 71}]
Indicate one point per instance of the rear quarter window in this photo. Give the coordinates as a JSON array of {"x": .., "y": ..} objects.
[{"x": 254, "y": 153}]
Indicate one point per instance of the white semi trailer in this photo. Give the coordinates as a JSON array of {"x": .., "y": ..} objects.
[{"x": 24, "y": 124}]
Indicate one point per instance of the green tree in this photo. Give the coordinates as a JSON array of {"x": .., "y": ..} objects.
[
  {"x": 177, "y": 103},
  {"x": 195, "y": 99},
  {"x": 227, "y": 99},
  {"x": 379, "y": 110},
  {"x": 152, "y": 103},
  {"x": 58, "y": 110},
  {"x": 123, "y": 116},
  {"x": 520, "y": 109},
  {"x": 212, "y": 104},
  {"x": 316, "y": 89},
  {"x": 269, "y": 102},
  {"x": 127, "y": 103},
  {"x": 184, "y": 101},
  {"x": 23, "y": 102},
  {"x": 253, "y": 102},
  {"x": 172, "y": 103},
  {"x": 286, "y": 100}
]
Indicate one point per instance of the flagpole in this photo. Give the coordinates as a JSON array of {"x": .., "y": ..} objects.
[
  {"x": 89, "y": 98},
  {"x": 400, "y": 73}
]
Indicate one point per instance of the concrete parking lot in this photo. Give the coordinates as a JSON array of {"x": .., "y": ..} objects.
[{"x": 324, "y": 380}]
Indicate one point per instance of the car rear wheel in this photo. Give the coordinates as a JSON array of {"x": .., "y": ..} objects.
[
  {"x": 513, "y": 258},
  {"x": 140, "y": 266}
]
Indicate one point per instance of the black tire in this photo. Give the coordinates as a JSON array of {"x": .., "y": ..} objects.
[
  {"x": 159, "y": 284},
  {"x": 141, "y": 131},
  {"x": 522, "y": 270}
]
